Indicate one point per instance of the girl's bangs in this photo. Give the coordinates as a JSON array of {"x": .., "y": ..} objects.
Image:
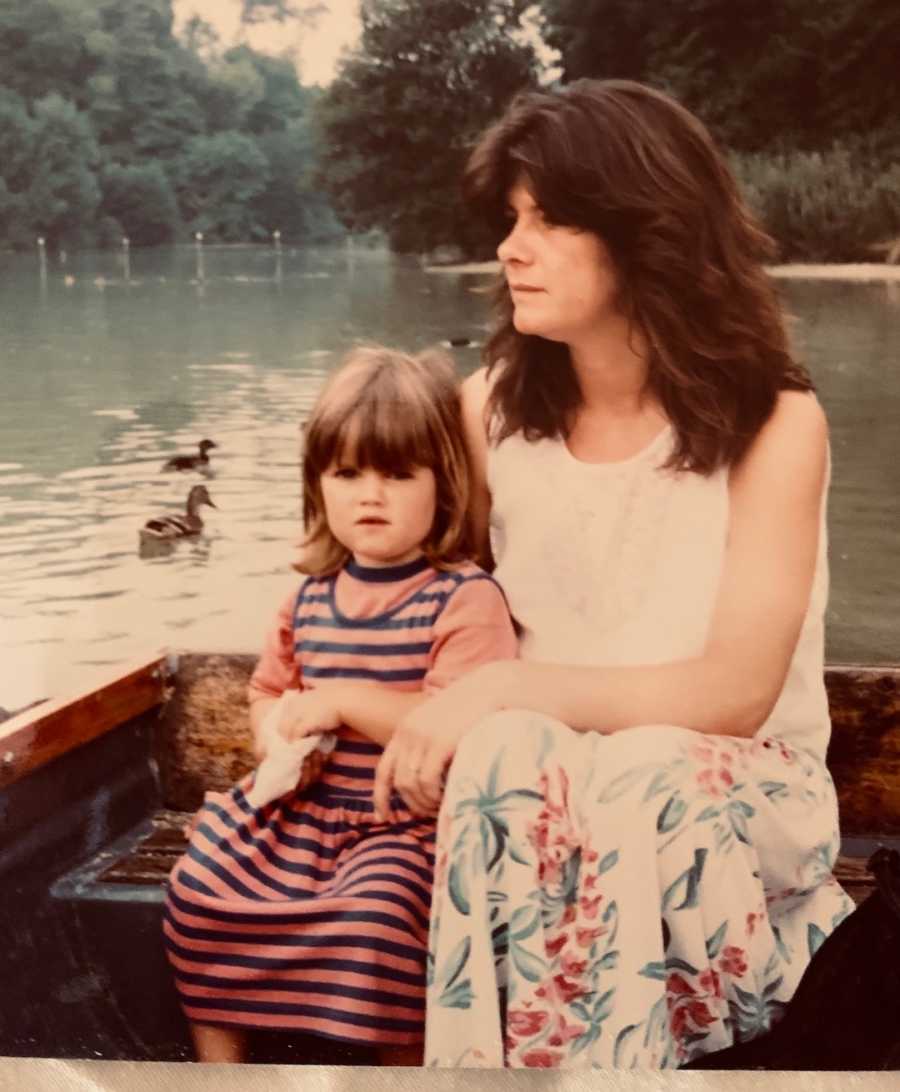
[{"x": 383, "y": 437}]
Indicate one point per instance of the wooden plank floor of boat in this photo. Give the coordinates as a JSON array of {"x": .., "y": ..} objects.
[{"x": 151, "y": 860}]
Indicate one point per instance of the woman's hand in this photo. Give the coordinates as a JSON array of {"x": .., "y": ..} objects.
[
  {"x": 306, "y": 713},
  {"x": 426, "y": 739}
]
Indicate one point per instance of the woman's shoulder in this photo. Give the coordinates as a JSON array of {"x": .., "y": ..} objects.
[
  {"x": 797, "y": 422},
  {"x": 474, "y": 394},
  {"x": 794, "y": 408},
  {"x": 792, "y": 444}
]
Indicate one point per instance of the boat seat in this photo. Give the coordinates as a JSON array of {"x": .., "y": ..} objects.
[
  {"x": 153, "y": 850},
  {"x": 203, "y": 743}
]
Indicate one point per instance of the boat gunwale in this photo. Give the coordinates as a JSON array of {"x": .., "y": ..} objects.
[{"x": 52, "y": 728}]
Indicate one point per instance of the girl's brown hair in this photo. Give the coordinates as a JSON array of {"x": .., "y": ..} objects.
[
  {"x": 393, "y": 412},
  {"x": 630, "y": 164}
]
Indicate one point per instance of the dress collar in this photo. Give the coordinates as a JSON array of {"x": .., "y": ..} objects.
[{"x": 384, "y": 574}]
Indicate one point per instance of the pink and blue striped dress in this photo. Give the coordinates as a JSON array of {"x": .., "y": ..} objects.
[{"x": 306, "y": 914}]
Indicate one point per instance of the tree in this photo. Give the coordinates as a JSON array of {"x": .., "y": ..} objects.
[
  {"x": 51, "y": 46},
  {"x": 602, "y": 38},
  {"x": 98, "y": 96},
  {"x": 396, "y": 124},
  {"x": 145, "y": 103},
  {"x": 219, "y": 177},
  {"x": 58, "y": 194},
  {"x": 200, "y": 37},
  {"x": 280, "y": 11},
  {"x": 234, "y": 88},
  {"x": 777, "y": 74},
  {"x": 141, "y": 201},
  {"x": 16, "y": 143}
]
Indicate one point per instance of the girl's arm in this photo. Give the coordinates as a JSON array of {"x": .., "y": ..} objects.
[
  {"x": 474, "y": 628},
  {"x": 274, "y": 673},
  {"x": 371, "y": 709},
  {"x": 775, "y": 501},
  {"x": 474, "y": 395}
]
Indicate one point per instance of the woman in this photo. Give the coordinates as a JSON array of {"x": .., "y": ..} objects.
[{"x": 638, "y": 828}]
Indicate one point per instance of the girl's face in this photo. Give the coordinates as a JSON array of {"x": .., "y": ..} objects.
[
  {"x": 561, "y": 279},
  {"x": 381, "y": 518}
]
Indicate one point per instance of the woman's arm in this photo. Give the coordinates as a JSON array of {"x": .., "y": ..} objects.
[
  {"x": 474, "y": 395},
  {"x": 773, "y": 532},
  {"x": 474, "y": 628},
  {"x": 775, "y": 500}
]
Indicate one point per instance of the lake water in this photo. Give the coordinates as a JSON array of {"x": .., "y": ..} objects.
[{"x": 107, "y": 370}]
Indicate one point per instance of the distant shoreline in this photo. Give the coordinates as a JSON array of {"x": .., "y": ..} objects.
[{"x": 859, "y": 271}]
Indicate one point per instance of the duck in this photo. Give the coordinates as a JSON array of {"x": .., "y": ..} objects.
[
  {"x": 166, "y": 528},
  {"x": 191, "y": 462}
]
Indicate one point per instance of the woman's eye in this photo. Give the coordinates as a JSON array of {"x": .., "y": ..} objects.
[
  {"x": 346, "y": 472},
  {"x": 400, "y": 475}
]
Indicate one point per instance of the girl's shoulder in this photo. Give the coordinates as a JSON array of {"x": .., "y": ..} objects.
[
  {"x": 468, "y": 570},
  {"x": 311, "y": 589},
  {"x": 465, "y": 579}
]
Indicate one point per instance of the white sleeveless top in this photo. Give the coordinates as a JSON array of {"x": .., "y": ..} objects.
[{"x": 619, "y": 563}]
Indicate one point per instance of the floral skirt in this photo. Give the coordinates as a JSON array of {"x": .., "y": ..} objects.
[{"x": 636, "y": 899}]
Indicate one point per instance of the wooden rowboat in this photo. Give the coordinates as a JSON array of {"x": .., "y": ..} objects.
[{"x": 95, "y": 789}]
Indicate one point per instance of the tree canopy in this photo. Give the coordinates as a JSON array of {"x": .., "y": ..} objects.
[
  {"x": 763, "y": 74},
  {"x": 397, "y": 121},
  {"x": 111, "y": 125}
]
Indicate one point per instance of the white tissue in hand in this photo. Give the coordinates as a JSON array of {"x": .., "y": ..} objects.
[{"x": 279, "y": 771}]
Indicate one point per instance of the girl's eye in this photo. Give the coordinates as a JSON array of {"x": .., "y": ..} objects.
[
  {"x": 400, "y": 475},
  {"x": 346, "y": 472}
]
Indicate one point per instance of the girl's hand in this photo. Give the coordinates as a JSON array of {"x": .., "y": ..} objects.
[
  {"x": 426, "y": 739},
  {"x": 306, "y": 713}
]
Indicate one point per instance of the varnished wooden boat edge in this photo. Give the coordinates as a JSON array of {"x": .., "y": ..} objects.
[{"x": 51, "y": 729}]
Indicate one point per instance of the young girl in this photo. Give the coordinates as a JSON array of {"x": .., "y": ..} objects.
[{"x": 307, "y": 914}]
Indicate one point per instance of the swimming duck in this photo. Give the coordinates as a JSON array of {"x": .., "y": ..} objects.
[
  {"x": 191, "y": 462},
  {"x": 165, "y": 528}
]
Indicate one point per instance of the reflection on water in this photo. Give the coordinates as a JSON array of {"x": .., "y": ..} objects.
[{"x": 106, "y": 375}]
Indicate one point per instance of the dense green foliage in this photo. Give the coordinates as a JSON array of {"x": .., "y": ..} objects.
[
  {"x": 804, "y": 92},
  {"x": 799, "y": 73},
  {"x": 823, "y": 206},
  {"x": 404, "y": 107},
  {"x": 110, "y": 126}
]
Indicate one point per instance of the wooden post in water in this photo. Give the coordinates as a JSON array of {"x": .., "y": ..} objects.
[
  {"x": 126, "y": 258},
  {"x": 198, "y": 246},
  {"x": 276, "y": 238},
  {"x": 42, "y": 263}
]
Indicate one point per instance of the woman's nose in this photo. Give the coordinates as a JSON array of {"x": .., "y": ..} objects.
[{"x": 514, "y": 248}]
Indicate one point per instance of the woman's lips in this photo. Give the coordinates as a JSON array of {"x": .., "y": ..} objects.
[{"x": 372, "y": 520}]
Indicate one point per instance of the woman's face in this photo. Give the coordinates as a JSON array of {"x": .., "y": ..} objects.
[{"x": 561, "y": 279}]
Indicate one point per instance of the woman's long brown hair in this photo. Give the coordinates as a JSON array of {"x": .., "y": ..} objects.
[{"x": 629, "y": 163}]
